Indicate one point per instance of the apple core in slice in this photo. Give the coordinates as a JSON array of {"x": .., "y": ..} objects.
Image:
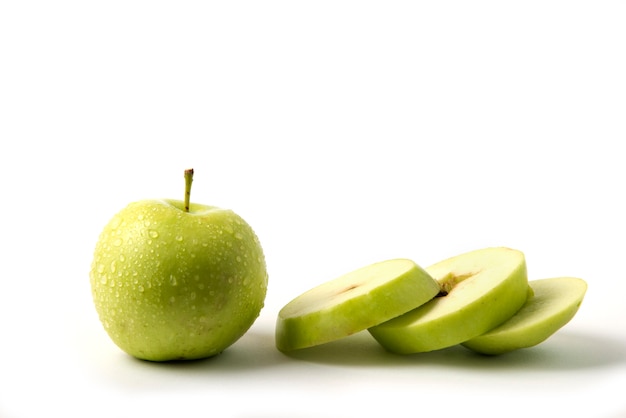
[
  {"x": 353, "y": 302},
  {"x": 554, "y": 304},
  {"x": 480, "y": 290}
]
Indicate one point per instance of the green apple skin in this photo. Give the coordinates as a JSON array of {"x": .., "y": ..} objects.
[
  {"x": 352, "y": 303},
  {"x": 554, "y": 304},
  {"x": 484, "y": 288},
  {"x": 174, "y": 285}
]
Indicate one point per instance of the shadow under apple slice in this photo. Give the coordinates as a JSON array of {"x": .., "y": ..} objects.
[
  {"x": 562, "y": 351},
  {"x": 359, "y": 349}
]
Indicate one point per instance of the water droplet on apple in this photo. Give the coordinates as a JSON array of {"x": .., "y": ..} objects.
[
  {"x": 100, "y": 268},
  {"x": 238, "y": 259},
  {"x": 172, "y": 299},
  {"x": 173, "y": 280},
  {"x": 140, "y": 288},
  {"x": 113, "y": 266},
  {"x": 193, "y": 295},
  {"x": 117, "y": 242},
  {"x": 115, "y": 222},
  {"x": 122, "y": 258},
  {"x": 153, "y": 233},
  {"x": 238, "y": 235},
  {"x": 179, "y": 238},
  {"x": 103, "y": 279},
  {"x": 246, "y": 281}
]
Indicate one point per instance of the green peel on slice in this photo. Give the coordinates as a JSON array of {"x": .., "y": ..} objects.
[
  {"x": 480, "y": 290},
  {"x": 353, "y": 302},
  {"x": 554, "y": 304}
]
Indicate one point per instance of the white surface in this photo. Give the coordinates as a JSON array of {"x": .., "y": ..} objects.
[{"x": 345, "y": 133}]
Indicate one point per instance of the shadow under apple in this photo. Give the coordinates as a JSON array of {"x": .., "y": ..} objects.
[
  {"x": 255, "y": 354},
  {"x": 251, "y": 355},
  {"x": 254, "y": 351}
]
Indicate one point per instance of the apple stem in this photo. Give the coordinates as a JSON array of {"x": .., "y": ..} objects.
[{"x": 188, "y": 181}]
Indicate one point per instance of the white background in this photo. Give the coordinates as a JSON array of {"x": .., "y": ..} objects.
[{"x": 345, "y": 133}]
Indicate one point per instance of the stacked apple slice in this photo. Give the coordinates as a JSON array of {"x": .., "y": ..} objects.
[
  {"x": 353, "y": 302},
  {"x": 480, "y": 299},
  {"x": 553, "y": 303}
]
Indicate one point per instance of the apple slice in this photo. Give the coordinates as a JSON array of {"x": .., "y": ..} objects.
[
  {"x": 353, "y": 302},
  {"x": 554, "y": 304},
  {"x": 480, "y": 290}
]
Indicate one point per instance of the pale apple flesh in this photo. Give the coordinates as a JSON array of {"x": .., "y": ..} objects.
[
  {"x": 554, "y": 304},
  {"x": 480, "y": 290},
  {"x": 169, "y": 284},
  {"x": 352, "y": 303}
]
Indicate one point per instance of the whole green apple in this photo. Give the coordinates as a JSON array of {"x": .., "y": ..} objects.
[{"x": 172, "y": 280}]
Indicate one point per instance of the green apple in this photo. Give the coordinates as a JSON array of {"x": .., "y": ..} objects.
[
  {"x": 480, "y": 290},
  {"x": 352, "y": 303},
  {"x": 554, "y": 304},
  {"x": 172, "y": 280}
]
